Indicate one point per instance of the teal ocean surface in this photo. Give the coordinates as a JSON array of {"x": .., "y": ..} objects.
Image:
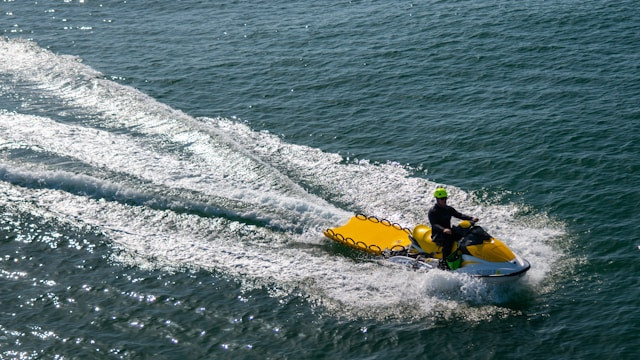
[{"x": 167, "y": 169}]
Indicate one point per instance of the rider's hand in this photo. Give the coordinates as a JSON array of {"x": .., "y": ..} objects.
[
  {"x": 447, "y": 231},
  {"x": 475, "y": 219}
]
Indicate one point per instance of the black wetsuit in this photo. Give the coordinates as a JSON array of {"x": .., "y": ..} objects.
[{"x": 440, "y": 219}]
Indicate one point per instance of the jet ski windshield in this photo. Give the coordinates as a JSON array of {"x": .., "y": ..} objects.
[{"x": 473, "y": 236}]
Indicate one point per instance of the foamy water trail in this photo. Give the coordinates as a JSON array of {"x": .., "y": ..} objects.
[{"x": 170, "y": 190}]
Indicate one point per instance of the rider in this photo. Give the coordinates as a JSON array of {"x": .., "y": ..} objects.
[{"x": 440, "y": 218}]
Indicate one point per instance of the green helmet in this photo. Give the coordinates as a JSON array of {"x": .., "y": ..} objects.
[{"x": 440, "y": 193}]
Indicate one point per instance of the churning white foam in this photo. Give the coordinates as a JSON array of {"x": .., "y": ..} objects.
[{"x": 212, "y": 193}]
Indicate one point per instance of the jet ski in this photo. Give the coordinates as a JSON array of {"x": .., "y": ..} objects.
[{"x": 476, "y": 253}]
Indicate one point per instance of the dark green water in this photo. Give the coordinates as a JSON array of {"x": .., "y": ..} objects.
[{"x": 167, "y": 169}]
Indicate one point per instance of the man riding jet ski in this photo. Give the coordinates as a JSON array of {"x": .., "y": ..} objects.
[
  {"x": 464, "y": 248},
  {"x": 440, "y": 218},
  {"x": 476, "y": 253}
]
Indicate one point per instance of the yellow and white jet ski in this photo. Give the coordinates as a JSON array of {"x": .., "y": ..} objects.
[{"x": 477, "y": 253}]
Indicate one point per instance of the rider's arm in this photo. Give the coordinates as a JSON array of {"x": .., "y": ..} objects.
[
  {"x": 462, "y": 216},
  {"x": 435, "y": 227}
]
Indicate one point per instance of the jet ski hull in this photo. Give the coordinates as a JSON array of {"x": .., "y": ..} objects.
[{"x": 472, "y": 266}]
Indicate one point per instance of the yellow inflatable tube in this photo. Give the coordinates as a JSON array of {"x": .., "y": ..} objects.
[{"x": 370, "y": 234}]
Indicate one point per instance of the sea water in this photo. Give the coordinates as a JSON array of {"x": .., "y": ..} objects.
[{"x": 167, "y": 169}]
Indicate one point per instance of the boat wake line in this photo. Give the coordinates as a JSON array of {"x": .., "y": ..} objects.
[{"x": 172, "y": 190}]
